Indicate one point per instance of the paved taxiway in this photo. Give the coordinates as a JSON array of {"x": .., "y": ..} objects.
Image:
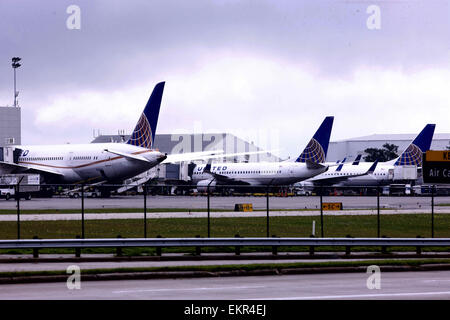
[
  {"x": 343, "y": 286},
  {"x": 226, "y": 203}
]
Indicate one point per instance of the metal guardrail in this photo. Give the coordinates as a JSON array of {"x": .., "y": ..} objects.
[{"x": 219, "y": 242}]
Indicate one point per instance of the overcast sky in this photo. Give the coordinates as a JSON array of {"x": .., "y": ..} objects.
[{"x": 264, "y": 70}]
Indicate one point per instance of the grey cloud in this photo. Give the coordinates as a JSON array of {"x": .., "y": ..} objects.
[{"x": 121, "y": 42}]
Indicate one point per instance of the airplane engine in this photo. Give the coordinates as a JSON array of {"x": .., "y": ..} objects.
[{"x": 202, "y": 185}]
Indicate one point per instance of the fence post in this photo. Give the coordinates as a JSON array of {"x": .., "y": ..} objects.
[
  {"x": 378, "y": 212},
  {"x": 77, "y": 250},
  {"x": 348, "y": 248},
  {"x": 267, "y": 211},
  {"x": 384, "y": 248},
  {"x": 159, "y": 249},
  {"x": 418, "y": 248},
  {"x": 208, "y": 200},
  {"x": 35, "y": 250},
  {"x": 321, "y": 212},
  {"x": 119, "y": 249},
  {"x": 274, "y": 248},
  {"x": 198, "y": 249},
  {"x": 82, "y": 210},
  {"x": 145, "y": 211},
  {"x": 432, "y": 211},
  {"x": 311, "y": 248},
  {"x": 18, "y": 206},
  {"x": 237, "y": 249},
  {"x": 18, "y": 211}
]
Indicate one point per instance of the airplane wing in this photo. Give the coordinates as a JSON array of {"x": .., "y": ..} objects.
[
  {"x": 205, "y": 155},
  {"x": 19, "y": 167},
  {"x": 128, "y": 155},
  {"x": 337, "y": 179}
]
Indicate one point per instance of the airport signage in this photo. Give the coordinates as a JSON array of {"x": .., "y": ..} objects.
[
  {"x": 246, "y": 207},
  {"x": 436, "y": 166},
  {"x": 330, "y": 206}
]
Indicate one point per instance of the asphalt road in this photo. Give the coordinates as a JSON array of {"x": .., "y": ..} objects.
[
  {"x": 344, "y": 286},
  {"x": 227, "y": 203}
]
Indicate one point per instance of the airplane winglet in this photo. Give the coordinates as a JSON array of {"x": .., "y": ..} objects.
[{"x": 357, "y": 160}]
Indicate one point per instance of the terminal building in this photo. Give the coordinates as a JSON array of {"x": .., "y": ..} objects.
[
  {"x": 350, "y": 148},
  {"x": 10, "y": 130},
  {"x": 10, "y": 125}
]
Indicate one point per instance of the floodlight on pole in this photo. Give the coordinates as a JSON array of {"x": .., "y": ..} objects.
[{"x": 15, "y": 65}]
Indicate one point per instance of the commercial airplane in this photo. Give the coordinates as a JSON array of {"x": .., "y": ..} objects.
[
  {"x": 96, "y": 163},
  {"x": 357, "y": 174},
  {"x": 307, "y": 165}
]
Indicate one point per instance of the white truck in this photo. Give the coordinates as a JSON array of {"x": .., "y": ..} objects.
[
  {"x": 7, "y": 192},
  {"x": 29, "y": 184}
]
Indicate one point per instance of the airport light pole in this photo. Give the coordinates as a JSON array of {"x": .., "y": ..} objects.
[{"x": 15, "y": 64}]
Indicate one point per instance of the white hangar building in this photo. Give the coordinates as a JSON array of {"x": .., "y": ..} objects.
[{"x": 350, "y": 148}]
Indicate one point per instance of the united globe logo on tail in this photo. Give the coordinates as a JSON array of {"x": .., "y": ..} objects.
[
  {"x": 142, "y": 134},
  {"x": 145, "y": 129},
  {"x": 313, "y": 152},
  {"x": 411, "y": 156}
]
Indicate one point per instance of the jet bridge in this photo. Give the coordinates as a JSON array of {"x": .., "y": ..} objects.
[{"x": 9, "y": 155}]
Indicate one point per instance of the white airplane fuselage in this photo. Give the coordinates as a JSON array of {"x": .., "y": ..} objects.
[
  {"x": 260, "y": 173},
  {"x": 88, "y": 162},
  {"x": 383, "y": 174}
]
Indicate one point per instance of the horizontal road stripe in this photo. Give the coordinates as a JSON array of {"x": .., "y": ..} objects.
[
  {"x": 188, "y": 289},
  {"x": 352, "y": 296}
]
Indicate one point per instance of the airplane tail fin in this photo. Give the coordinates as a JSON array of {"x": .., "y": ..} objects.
[
  {"x": 316, "y": 150},
  {"x": 372, "y": 167},
  {"x": 144, "y": 133},
  {"x": 413, "y": 154}
]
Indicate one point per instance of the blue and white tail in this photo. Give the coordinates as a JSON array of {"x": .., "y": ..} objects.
[
  {"x": 413, "y": 154},
  {"x": 316, "y": 150},
  {"x": 144, "y": 132}
]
